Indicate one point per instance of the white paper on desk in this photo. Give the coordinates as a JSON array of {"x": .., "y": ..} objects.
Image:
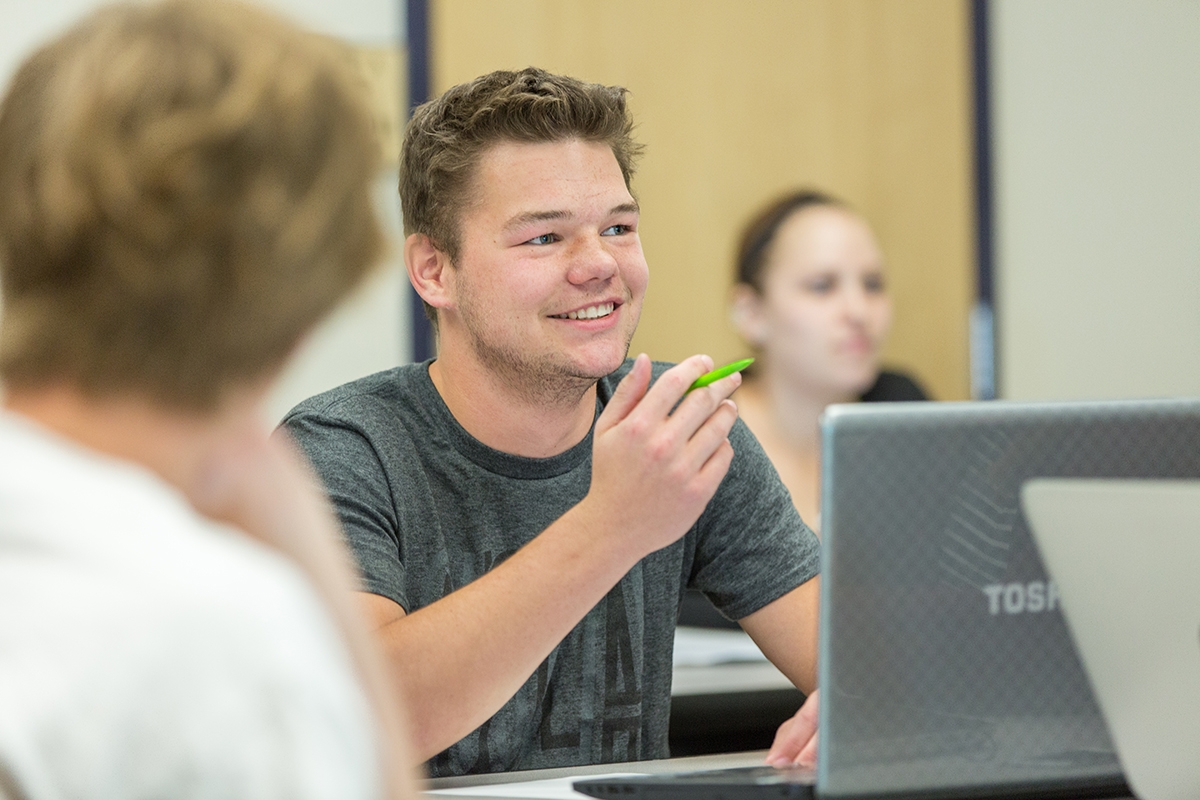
[
  {"x": 549, "y": 789},
  {"x": 704, "y": 647}
]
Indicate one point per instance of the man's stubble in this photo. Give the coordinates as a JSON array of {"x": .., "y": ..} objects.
[{"x": 541, "y": 378}]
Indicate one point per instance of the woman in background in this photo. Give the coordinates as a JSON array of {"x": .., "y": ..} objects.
[
  {"x": 811, "y": 300},
  {"x": 810, "y": 297}
]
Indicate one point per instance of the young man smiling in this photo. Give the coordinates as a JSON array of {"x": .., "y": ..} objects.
[{"x": 528, "y": 507}]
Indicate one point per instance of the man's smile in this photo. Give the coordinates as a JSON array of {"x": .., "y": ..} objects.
[{"x": 591, "y": 312}]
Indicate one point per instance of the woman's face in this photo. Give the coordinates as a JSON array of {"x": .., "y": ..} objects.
[{"x": 824, "y": 312}]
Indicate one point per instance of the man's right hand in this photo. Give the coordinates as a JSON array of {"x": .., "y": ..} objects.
[
  {"x": 654, "y": 469},
  {"x": 796, "y": 740}
]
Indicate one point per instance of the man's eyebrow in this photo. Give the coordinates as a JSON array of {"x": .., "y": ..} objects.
[
  {"x": 528, "y": 217},
  {"x": 535, "y": 216}
]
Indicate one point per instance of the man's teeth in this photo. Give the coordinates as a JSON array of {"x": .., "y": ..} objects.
[{"x": 591, "y": 312}]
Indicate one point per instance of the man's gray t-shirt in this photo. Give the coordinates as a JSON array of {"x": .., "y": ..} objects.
[{"x": 427, "y": 509}]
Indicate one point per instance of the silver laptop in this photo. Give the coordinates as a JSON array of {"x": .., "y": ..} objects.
[
  {"x": 946, "y": 669},
  {"x": 1126, "y": 558},
  {"x": 946, "y": 663}
]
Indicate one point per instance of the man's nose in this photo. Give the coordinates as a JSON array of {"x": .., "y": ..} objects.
[{"x": 591, "y": 260}]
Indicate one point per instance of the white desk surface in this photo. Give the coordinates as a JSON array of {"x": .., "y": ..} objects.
[
  {"x": 727, "y": 679},
  {"x": 709, "y": 661},
  {"x": 483, "y": 782}
]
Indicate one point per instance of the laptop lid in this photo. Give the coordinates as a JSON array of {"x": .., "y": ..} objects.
[
  {"x": 1126, "y": 558},
  {"x": 946, "y": 667}
]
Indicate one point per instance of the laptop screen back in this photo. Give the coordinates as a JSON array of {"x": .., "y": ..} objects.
[{"x": 945, "y": 661}]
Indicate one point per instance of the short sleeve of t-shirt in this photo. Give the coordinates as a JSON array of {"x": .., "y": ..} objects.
[
  {"x": 343, "y": 444},
  {"x": 752, "y": 547}
]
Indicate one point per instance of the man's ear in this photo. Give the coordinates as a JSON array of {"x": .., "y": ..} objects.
[
  {"x": 429, "y": 271},
  {"x": 747, "y": 314}
]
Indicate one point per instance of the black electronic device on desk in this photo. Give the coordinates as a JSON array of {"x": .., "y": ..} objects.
[
  {"x": 763, "y": 782},
  {"x": 946, "y": 669}
]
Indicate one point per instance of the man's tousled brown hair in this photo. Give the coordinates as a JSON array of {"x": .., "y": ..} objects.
[
  {"x": 185, "y": 188},
  {"x": 446, "y": 138}
]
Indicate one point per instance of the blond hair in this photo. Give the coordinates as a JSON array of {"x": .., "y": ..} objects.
[
  {"x": 185, "y": 188},
  {"x": 447, "y": 137}
]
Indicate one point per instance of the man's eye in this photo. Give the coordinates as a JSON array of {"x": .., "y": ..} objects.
[
  {"x": 820, "y": 285},
  {"x": 616, "y": 230},
  {"x": 874, "y": 284},
  {"x": 545, "y": 238}
]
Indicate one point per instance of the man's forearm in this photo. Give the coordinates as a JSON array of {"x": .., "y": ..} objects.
[
  {"x": 461, "y": 658},
  {"x": 786, "y": 631}
]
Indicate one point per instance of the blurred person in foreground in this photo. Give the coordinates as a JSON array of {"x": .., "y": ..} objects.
[
  {"x": 184, "y": 190},
  {"x": 810, "y": 297},
  {"x": 528, "y": 508}
]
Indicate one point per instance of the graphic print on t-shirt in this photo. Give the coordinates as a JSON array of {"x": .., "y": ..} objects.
[
  {"x": 549, "y": 739},
  {"x": 622, "y": 690}
]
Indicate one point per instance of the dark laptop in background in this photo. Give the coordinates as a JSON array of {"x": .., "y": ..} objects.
[{"x": 946, "y": 668}]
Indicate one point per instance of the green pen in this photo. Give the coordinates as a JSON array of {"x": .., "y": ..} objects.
[{"x": 720, "y": 372}]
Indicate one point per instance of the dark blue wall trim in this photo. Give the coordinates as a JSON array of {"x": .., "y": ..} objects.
[
  {"x": 418, "y": 92},
  {"x": 983, "y": 147},
  {"x": 983, "y": 328}
]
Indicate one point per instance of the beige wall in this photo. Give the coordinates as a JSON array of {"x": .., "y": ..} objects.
[
  {"x": 1097, "y": 126},
  {"x": 739, "y": 101}
]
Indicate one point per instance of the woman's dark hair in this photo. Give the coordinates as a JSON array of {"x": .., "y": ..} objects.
[{"x": 760, "y": 232}]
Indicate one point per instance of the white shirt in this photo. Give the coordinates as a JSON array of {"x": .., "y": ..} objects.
[{"x": 146, "y": 652}]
